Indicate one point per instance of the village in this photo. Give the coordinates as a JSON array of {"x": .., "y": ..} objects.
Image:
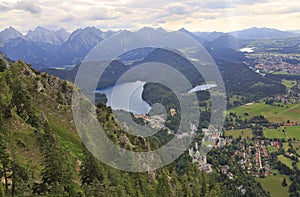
[
  {"x": 270, "y": 63},
  {"x": 254, "y": 157}
]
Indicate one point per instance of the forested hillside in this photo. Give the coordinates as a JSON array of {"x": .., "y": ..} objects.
[{"x": 42, "y": 155}]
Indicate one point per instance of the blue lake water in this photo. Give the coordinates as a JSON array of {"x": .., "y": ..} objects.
[
  {"x": 247, "y": 50},
  {"x": 128, "y": 96},
  {"x": 202, "y": 88}
]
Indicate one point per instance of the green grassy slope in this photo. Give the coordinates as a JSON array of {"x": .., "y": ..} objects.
[{"x": 276, "y": 114}]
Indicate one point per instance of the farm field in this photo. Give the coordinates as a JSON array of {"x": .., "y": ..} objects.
[
  {"x": 290, "y": 132},
  {"x": 277, "y": 114},
  {"x": 274, "y": 133}
]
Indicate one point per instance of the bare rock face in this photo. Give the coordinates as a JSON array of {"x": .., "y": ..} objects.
[
  {"x": 40, "y": 34},
  {"x": 9, "y": 33},
  {"x": 124, "y": 140},
  {"x": 52, "y": 86}
]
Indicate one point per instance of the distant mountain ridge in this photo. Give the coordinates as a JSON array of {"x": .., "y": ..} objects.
[
  {"x": 9, "y": 33},
  {"x": 262, "y": 33},
  {"x": 40, "y": 34},
  {"x": 199, "y": 38},
  {"x": 78, "y": 46},
  {"x": 209, "y": 36},
  {"x": 46, "y": 48},
  {"x": 224, "y": 41}
]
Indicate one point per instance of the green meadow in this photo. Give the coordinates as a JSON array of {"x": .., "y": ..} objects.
[
  {"x": 273, "y": 113},
  {"x": 296, "y": 146},
  {"x": 273, "y": 184},
  {"x": 287, "y": 161},
  {"x": 244, "y": 133},
  {"x": 290, "y": 132},
  {"x": 289, "y": 83}
]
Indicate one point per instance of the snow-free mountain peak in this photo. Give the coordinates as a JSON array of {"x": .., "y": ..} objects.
[
  {"x": 41, "y": 34},
  {"x": 9, "y": 33}
]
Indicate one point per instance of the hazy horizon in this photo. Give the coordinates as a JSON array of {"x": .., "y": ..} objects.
[{"x": 133, "y": 30}]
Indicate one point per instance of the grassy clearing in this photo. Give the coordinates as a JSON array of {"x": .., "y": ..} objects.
[
  {"x": 296, "y": 146},
  {"x": 234, "y": 98},
  {"x": 24, "y": 144},
  {"x": 63, "y": 125},
  {"x": 293, "y": 132},
  {"x": 280, "y": 73},
  {"x": 277, "y": 114},
  {"x": 289, "y": 83},
  {"x": 274, "y": 133},
  {"x": 285, "y": 146},
  {"x": 244, "y": 133},
  {"x": 287, "y": 161},
  {"x": 273, "y": 184},
  {"x": 272, "y": 149},
  {"x": 67, "y": 135}
]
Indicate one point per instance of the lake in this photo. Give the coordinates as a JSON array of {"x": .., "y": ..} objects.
[
  {"x": 202, "y": 88},
  {"x": 247, "y": 50},
  {"x": 128, "y": 96}
]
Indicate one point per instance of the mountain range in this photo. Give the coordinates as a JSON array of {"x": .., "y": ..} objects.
[
  {"x": 45, "y": 48},
  {"x": 40, "y": 34},
  {"x": 238, "y": 78},
  {"x": 262, "y": 33}
]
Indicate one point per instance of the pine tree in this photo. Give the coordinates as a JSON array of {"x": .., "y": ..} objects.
[
  {"x": 90, "y": 170},
  {"x": 186, "y": 187},
  {"x": 21, "y": 100},
  {"x": 284, "y": 184},
  {"x": 56, "y": 176},
  {"x": 19, "y": 179},
  {"x": 2, "y": 65},
  {"x": 99, "y": 189},
  {"x": 164, "y": 188}
]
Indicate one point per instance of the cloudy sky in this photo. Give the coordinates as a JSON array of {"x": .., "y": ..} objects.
[{"x": 194, "y": 15}]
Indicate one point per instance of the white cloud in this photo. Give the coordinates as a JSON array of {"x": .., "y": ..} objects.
[
  {"x": 29, "y": 6},
  {"x": 179, "y": 9},
  {"x": 195, "y": 15},
  {"x": 100, "y": 13}
]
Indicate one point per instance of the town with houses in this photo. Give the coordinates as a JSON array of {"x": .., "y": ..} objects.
[
  {"x": 253, "y": 157},
  {"x": 269, "y": 63}
]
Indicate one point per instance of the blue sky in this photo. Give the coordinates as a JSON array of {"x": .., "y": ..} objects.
[{"x": 194, "y": 15}]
